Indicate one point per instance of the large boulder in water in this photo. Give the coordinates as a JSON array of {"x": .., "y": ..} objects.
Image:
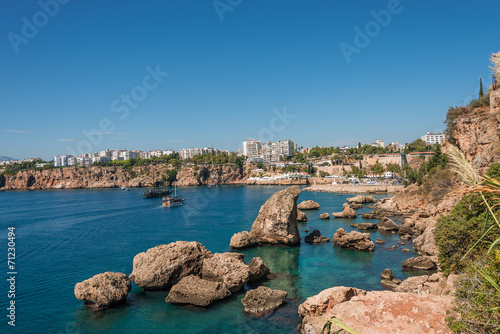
[
  {"x": 228, "y": 268},
  {"x": 354, "y": 239},
  {"x": 193, "y": 290},
  {"x": 308, "y": 205},
  {"x": 258, "y": 269},
  {"x": 277, "y": 219},
  {"x": 347, "y": 212},
  {"x": 103, "y": 290},
  {"x": 263, "y": 300},
  {"x": 165, "y": 265},
  {"x": 242, "y": 240}
]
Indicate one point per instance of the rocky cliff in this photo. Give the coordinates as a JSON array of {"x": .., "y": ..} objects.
[{"x": 111, "y": 177}]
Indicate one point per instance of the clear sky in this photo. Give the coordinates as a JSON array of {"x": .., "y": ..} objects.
[{"x": 77, "y": 75}]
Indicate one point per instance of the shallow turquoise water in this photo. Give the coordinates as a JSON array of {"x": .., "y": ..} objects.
[{"x": 67, "y": 236}]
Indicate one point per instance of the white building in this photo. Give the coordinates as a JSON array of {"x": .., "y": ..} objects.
[
  {"x": 251, "y": 148},
  {"x": 61, "y": 160},
  {"x": 432, "y": 138}
]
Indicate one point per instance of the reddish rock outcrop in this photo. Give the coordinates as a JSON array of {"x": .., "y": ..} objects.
[{"x": 380, "y": 312}]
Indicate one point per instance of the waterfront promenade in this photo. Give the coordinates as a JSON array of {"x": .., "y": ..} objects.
[{"x": 355, "y": 189}]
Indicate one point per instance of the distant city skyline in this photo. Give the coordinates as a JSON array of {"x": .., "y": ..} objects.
[{"x": 80, "y": 77}]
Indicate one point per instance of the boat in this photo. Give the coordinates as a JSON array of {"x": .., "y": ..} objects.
[
  {"x": 212, "y": 184},
  {"x": 156, "y": 192},
  {"x": 125, "y": 188},
  {"x": 172, "y": 200}
]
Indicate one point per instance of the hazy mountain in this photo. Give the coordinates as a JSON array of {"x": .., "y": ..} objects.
[{"x": 4, "y": 158}]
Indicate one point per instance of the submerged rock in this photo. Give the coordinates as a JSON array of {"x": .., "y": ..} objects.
[
  {"x": 347, "y": 212},
  {"x": 308, "y": 205},
  {"x": 165, "y": 265},
  {"x": 193, "y": 290},
  {"x": 263, "y": 300},
  {"x": 301, "y": 216},
  {"x": 380, "y": 241},
  {"x": 103, "y": 290},
  {"x": 354, "y": 239},
  {"x": 315, "y": 237},
  {"x": 228, "y": 268}
]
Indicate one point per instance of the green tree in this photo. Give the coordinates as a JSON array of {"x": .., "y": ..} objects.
[{"x": 481, "y": 94}]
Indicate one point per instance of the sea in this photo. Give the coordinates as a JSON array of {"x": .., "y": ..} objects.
[{"x": 63, "y": 237}]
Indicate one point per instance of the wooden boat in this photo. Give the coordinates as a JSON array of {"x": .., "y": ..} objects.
[{"x": 171, "y": 201}]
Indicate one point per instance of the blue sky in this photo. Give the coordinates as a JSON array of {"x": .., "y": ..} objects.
[{"x": 228, "y": 77}]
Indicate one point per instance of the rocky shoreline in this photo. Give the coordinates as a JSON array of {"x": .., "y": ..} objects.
[{"x": 355, "y": 189}]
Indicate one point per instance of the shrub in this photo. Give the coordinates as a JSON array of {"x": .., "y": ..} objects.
[
  {"x": 457, "y": 232},
  {"x": 2, "y": 180},
  {"x": 477, "y": 299},
  {"x": 437, "y": 184}
]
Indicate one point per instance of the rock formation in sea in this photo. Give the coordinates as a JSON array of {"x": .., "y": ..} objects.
[
  {"x": 103, "y": 290},
  {"x": 192, "y": 290},
  {"x": 301, "y": 216},
  {"x": 356, "y": 206},
  {"x": 263, "y": 300},
  {"x": 276, "y": 222},
  {"x": 324, "y": 216},
  {"x": 228, "y": 268},
  {"x": 360, "y": 199},
  {"x": 386, "y": 224},
  {"x": 308, "y": 205},
  {"x": 367, "y": 226},
  {"x": 163, "y": 266},
  {"x": 354, "y": 240},
  {"x": 258, "y": 269},
  {"x": 347, "y": 212},
  {"x": 381, "y": 312},
  {"x": 420, "y": 263},
  {"x": 315, "y": 237}
]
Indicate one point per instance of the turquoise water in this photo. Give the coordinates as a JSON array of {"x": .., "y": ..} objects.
[{"x": 67, "y": 236}]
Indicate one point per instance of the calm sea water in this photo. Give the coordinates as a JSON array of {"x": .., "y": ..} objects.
[{"x": 67, "y": 236}]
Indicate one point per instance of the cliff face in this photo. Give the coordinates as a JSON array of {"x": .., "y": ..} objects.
[
  {"x": 477, "y": 133},
  {"x": 111, "y": 177}
]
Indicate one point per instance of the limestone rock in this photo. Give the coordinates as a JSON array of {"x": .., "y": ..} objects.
[
  {"x": 354, "y": 239},
  {"x": 361, "y": 199},
  {"x": 323, "y": 302},
  {"x": 380, "y": 241},
  {"x": 228, "y": 268},
  {"x": 165, "y": 265},
  {"x": 367, "y": 226},
  {"x": 368, "y": 216},
  {"x": 258, "y": 269},
  {"x": 382, "y": 312},
  {"x": 263, "y": 300},
  {"x": 277, "y": 219},
  {"x": 356, "y": 206},
  {"x": 324, "y": 216},
  {"x": 419, "y": 262},
  {"x": 308, "y": 205},
  {"x": 103, "y": 290},
  {"x": 347, "y": 212},
  {"x": 389, "y": 284},
  {"x": 315, "y": 237},
  {"x": 301, "y": 216},
  {"x": 196, "y": 291},
  {"x": 242, "y": 240},
  {"x": 387, "y": 274},
  {"x": 387, "y": 224}
]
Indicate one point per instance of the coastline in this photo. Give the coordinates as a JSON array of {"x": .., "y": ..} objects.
[{"x": 355, "y": 189}]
